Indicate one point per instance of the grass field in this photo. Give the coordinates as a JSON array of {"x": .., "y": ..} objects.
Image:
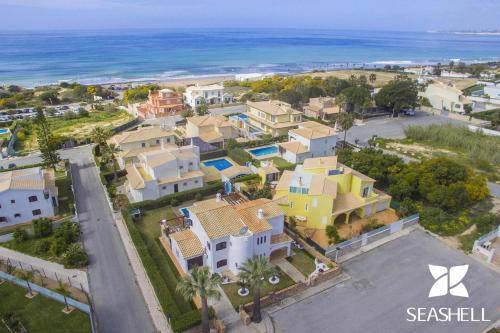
[
  {"x": 40, "y": 314},
  {"x": 303, "y": 261},
  {"x": 231, "y": 290},
  {"x": 78, "y": 128}
]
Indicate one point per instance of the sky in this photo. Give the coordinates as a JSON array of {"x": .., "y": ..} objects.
[{"x": 401, "y": 15}]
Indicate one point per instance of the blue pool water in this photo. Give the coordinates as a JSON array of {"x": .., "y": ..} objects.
[
  {"x": 185, "y": 211},
  {"x": 4, "y": 131},
  {"x": 220, "y": 164},
  {"x": 243, "y": 116},
  {"x": 264, "y": 151}
]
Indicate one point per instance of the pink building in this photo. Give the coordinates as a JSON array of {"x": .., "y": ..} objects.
[{"x": 161, "y": 103}]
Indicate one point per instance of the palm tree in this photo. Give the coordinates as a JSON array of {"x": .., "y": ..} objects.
[
  {"x": 346, "y": 120},
  {"x": 63, "y": 290},
  {"x": 110, "y": 153},
  {"x": 203, "y": 284},
  {"x": 255, "y": 271},
  {"x": 341, "y": 101},
  {"x": 99, "y": 136},
  {"x": 373, "y": 77}
]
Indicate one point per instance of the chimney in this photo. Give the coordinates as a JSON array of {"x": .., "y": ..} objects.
[
  {"x": 217, "y": 197},
  {"x": 260, "y": 214}
]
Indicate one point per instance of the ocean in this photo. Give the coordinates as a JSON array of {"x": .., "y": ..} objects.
[{"x": 38, "y": 58}]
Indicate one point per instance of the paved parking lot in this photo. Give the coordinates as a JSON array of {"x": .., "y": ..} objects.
[{"x": 388, "y": 280}]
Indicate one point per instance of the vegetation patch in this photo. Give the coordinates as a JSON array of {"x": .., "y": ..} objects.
[
  {"x": 39, "y": 314},
  {"x": 303, "y": 261}
]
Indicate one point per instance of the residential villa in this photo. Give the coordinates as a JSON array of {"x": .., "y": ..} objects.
[
  {"x": 143, "y": 139},
  {"x": 161, "y": 103},
  {"x": 212, "y": 129},
  {"x": 27, "y": 194},
  {"x": 210, "y": 94},
  {"x": 224, "y": 236},
  {"x": 323, "y": 192},
  {"x": 164, "y": 171},
  {"x": 269, "y": 117},
  {"x": 456, "y": 75},
  {"x": 446, "y": 97},
  {"x": 310, "y": 139},
  {"x": 323, "y": 108},
  {"x": 420, "y": 70},
  {"x": 268, "y": 172}
]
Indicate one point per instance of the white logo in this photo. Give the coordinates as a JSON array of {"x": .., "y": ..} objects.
[{"x": 448, "y": 280}]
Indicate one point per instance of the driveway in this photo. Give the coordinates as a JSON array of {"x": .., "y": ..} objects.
[
  {"x": 388, "y": 280},
  {"x": 119, "y": 305}
]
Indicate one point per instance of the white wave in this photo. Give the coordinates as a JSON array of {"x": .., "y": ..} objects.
[
  {"x": 392, "y": 62},
  {"x": 266, "y": 65}
]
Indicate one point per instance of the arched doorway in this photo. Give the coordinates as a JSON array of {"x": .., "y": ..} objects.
[{"x": 340, "y": 219}]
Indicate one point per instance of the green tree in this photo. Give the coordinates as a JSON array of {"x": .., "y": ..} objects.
[
  {"x": 373, "y": 78},
  {"x": 356, "y": 97},
  {"x": 49, "y": 96},
  {"x": 200, "y": 282},
  {"x": 290, "y": 96},
  {"x": 332, "y": 234},
  {"x": 109, "y": 156},
  {"x": 188, "y": 112},
  {"x": 202, "y": 109},
  {"x": 346, "y": 121},
  {"x": 99, "y": 135},
  {"x": 42, "y": 227},
  {"x": 398, "y": 94},
  {"x": 75, "y": 257},
  {"x": 20, "y": 235},
  {"x": 256, "y": 271},
  {"x": 46, "y": 142}
]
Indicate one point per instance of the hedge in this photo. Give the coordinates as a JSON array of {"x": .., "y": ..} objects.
[
  {"x": 23, "y": 167},
  {"x": 262, "y": 142},
  {"x": 240, "y": 156},
  {"x": 179, "y": 197},
  {"x": 246, "y": 178},
  {"x": 213, "y": 154}
]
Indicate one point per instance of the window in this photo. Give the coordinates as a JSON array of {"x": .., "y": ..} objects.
[
  {"x": 3, "y": 219},
  {"x": 366, "y": 191},
  {"x": 208, "y": 246},
  {"x": 181, "y": 167},
  {"x": 17, "y": 215},
  {"x": 36, "y": 212},
  {"x": 196, "y": 181},
  {"x": 306, "y": 207},
  {"x": 12, "y": 201},
  {"x": 163, "y": 187},
  {"x": 220, "y": 246},
  {"x": 157, "y": 142},
  {"x": 143, "y": 144},
  {"x": 33, "y": 198},
  {"x": 168, "y": 140},
  {"x": 185, "y": 184},
  {"x": 291, "y": 204},
  {"x": 258, "y": 240},
  {"x": 190, "y": 163},
  {"x": 315, "y": 202},
  {"x": 265, "y": 239},
  {"x": 221, "y": 263}
]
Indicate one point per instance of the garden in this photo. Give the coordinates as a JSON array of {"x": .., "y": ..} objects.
[
  {"x": 39, "y": 314},
  {"x": 303, "y": 261}
]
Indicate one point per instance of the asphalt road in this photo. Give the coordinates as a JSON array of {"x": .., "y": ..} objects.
[
  {"x": 388, "y": 280},
  {"x": 69, "y": 153},
  {"x": 119, "y": 305},
  {"x": 227, "y": 110}
]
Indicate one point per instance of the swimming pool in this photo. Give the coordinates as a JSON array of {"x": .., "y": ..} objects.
[
  {"x": 220, "y": 164},
  {"x": 4, "y": 130},
  {"x": 264, "y": 151}
]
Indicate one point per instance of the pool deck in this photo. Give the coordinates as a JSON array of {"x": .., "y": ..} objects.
[
  {"x": 211, "y": 172},
  {"x": 263, "y": 157}
]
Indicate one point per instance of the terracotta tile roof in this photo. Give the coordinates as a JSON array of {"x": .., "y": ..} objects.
[
  {"x": 294, "y": 146},
  {"x": 141, "y": 134},
  {"x": 184, "y": 176},
  {"x": 209, "y": 120},
  {"x": 24, "y": 179},
  {"x": 134, "y": 177},
  {"x": 204, "y": 205},
  {"x": 285, "y": 180},
  {"x": 321, "y": 185},
  {"x": 274, "y": 107},
  {"x": 280, "y": 238},
  {"x": 189, "y": 245},
  {"x": 313, "y": 130},
  {"x": 236, "y": 170},
  {"x": 136, "y": 152},
  {"x": 346, "y": 202},
  {"x": 212, "y": 136},
  {"x": 220, "y": 222}
]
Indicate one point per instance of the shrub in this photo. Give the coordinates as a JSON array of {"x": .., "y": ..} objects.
[
  {"x": 68, "y": 232},
  {"x": 42, "y": 227},
  {"x": 20, "y": 235},
  {"x": 332, "y": 234},
  {"x": 42, "y": 246},
  {"x": 174, "y": 202},
  {"x": 213, "y": 154},
  {"x": 75, "y": 257},
  {"x": 198, "y": 196},
  {"x": 240, "y": 156},
  {"x": 58, "y": 246}
]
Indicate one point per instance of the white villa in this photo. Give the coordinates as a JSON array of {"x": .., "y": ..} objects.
[
  {"x": 209, "y": 94},
  {"x": 310, "y": 139},
  {"x": 446, "y": 97},
  {"x": 27, "y": 194},
  {"x": 164, "y": 171},
  {"x": 143, "y": 139},
  {"x": 223, "y": 236}
]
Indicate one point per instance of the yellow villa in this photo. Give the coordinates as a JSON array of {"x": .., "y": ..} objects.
[
  {"x": 272, "y": 117},
  {"x": 323, "y": 191}
]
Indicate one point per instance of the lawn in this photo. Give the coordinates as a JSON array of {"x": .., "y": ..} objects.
[
  {"x": 78, "y": 128},
  {"x": 303, "y": 261},
  {"x": 279, "y": 162},
  {"x": 65, "y": 196},
  {"x": 149, "y": 229},
  {"x": 231, "y": 290},
  {"x": 40, "y": 314}
]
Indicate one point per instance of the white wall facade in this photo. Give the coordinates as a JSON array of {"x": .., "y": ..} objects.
[{"x": 16, "y": 208}]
